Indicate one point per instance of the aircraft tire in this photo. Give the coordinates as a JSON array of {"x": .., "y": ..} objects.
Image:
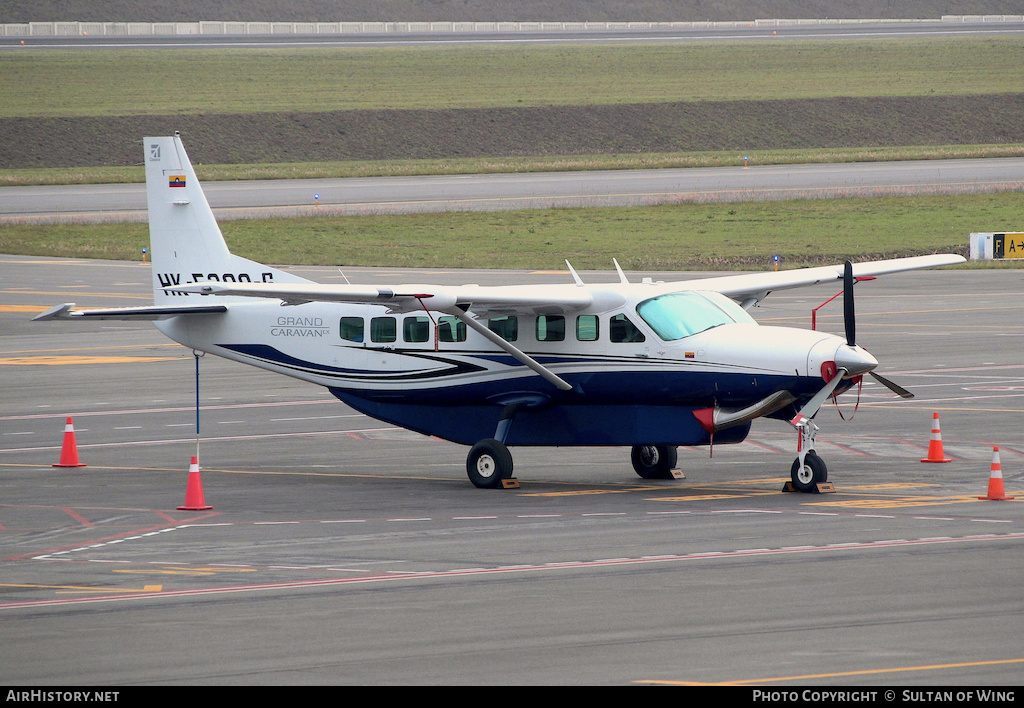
[
  {"x": 813, "y": 473},
  {"x": 654, "y": 461},
  {"x": 488, "y": 463}
]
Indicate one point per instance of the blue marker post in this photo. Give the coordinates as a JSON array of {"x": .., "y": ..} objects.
[
  {"x": 745, "y": 158},
  {"x": 316, "y": 200},
  {"x": 143, "y": 256},
  {"x": 775, "y": 259},
  {"x": 197, "y": 355}
]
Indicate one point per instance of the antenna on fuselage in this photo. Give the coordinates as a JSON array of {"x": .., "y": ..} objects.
[{"x": 622, "y": 276}]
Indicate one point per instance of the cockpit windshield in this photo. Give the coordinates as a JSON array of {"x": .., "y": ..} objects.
[{"x": 677, "y": 315}]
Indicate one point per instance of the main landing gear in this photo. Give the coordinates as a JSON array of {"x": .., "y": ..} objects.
[
  {"x": 654, "y": 461},
  {"x": 488, "y": 464}
]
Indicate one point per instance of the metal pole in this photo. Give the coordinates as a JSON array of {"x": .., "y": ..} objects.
[{"x": 197, "y": 355}]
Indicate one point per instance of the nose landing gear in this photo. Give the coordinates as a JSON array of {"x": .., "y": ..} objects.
[{"x": 808, "y": 473}]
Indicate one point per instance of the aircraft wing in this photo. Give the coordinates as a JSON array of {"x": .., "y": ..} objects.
[
  {"x": 489, "y": 301},
  {"x": 65, "y": 312},
  {"x": 752, "y": 287},
  {"x": 482, "y": 301}
]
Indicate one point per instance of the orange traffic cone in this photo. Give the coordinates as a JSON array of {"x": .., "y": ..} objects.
[
  {"x": 194, "y": 500},
  {"x": 995, "y": 480},
  {"x": 935, "y": 444},
  {"x": 69, "y": 450}
]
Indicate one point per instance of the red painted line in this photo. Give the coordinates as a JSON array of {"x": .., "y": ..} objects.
[
  {"x": 77, "y": 517},
  {"x": 849, "y": 449},
  {"x": 574, "y": 565},
  {"x": 1001, "y": 446},
  {"x": 763, "y": 446}
]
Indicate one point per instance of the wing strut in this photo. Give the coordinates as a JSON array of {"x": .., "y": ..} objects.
[{"x": 522, "y": 356}]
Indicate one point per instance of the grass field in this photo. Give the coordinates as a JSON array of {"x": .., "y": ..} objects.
[
  {"x": 92, "y": 83},
  {"x": 669, "y": 237},
  {"x": 41, "y": 85}
]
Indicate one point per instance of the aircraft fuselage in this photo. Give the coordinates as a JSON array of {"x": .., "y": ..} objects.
[{"x": 428, "y": 372}]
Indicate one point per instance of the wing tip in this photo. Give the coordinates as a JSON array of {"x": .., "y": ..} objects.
[{"x": 57, "y": 312}]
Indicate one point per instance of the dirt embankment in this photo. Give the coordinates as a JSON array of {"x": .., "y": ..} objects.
[{"x": 500, "y": 132}]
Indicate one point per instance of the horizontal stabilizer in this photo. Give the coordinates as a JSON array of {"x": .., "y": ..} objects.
[{"x": 65, "y": 312}]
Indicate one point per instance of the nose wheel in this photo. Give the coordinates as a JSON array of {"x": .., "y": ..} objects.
[{"x": 808, "y": 473}]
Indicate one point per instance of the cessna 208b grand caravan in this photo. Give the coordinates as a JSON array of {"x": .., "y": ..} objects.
[{"x": 646, "y": 365}]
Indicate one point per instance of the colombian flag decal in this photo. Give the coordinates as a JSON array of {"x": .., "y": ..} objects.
[{"x": 176, "y": 181}]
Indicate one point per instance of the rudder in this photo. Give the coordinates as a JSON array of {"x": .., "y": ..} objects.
[{"x": 185, "y": 241}]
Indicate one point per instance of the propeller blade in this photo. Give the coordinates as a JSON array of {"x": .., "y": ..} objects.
[
  {"x": 894, "y": 387},
  {"x": 812, "y": 406},
  {"x": 849, "y": 317}
]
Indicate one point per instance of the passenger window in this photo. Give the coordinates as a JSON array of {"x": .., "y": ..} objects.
[
  {"x": 416, "y": 329},
  {"x": 587, "y": 328},
  {"x": 351, "y": 329},
  {"x": 620, "y": 329},
  {"x": 451, "y": 329},
  {"x": 383, "y": 329},
  {"x": 505, "y": 327},
  {"x": 550, "y": 328}
]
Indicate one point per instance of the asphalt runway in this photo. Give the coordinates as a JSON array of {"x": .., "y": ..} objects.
[
  {"x": 342, "y": 550},
  {"x": 713, "y": 32},
  {"x": 397, "y": 195}
]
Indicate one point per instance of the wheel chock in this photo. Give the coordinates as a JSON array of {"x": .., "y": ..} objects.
[
  {"x": 820, "y": 488},
  {"x": 677, "y": 474},
  {"x": 511, "y": 483}
]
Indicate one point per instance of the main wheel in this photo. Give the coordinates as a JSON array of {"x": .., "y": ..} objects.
[
  {"x": 654, "y": 461},
  {"x": 808, "y": 476},
  {"x": 488, "y": 463}
]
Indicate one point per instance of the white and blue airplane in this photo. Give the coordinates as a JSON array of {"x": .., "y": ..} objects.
[{"x": 647, "y": 365}]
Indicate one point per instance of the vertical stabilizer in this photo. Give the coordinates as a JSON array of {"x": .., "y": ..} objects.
[{"x": 185, "y": 241}]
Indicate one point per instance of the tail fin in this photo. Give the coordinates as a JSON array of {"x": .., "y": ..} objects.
[{"x": 185, "y": 241}]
